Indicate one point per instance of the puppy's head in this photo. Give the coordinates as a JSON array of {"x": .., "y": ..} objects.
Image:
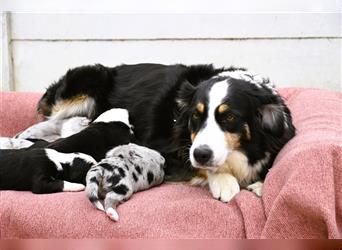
[{"x": 225, "y": 114}]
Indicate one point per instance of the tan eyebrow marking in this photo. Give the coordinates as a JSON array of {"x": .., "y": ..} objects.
[
  {"x": 200, "y": 107},
  {"x": 193, "y": 136},
  {"x": 222, "y": 108}
]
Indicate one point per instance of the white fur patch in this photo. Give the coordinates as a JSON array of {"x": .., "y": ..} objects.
[
  {"x": 47, "y": 130},
  {"x": 114, "y": 115},
  {"x": 99, "y": 205},
  {"x": 257, "y": 79},
  {"x": 63, "y": 158},
  {"x": 112, "y": 214},
  {"x": 212, "y": 135},
  {"x": 12, "y": 143},
  {"x": 72, "y": 187},
  {"x": 223, "y": 186},
  {"x": 73, "y": 126}
]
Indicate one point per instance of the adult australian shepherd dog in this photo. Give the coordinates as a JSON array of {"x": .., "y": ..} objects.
[{"x": 221, "y": 126}]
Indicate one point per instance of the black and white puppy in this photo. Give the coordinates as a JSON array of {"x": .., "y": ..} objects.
[
  {"x": 110, "y": 129},
  {"x": 43, "y": 170}
]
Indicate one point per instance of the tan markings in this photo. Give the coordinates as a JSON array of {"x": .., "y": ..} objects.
[
  {"x": 247, "y": 131},
  {"x": 237, "y": 165},
  {"x": 202, "y": 173},
  {"x": 233, "y": 140},
  {"x": 193, "y": 135},
  {"x": 200, "y": 107},
  {"x": 80, "y": 105},
  {"x": 60, "y": 105},
  {"x": 222, "y": 108}
]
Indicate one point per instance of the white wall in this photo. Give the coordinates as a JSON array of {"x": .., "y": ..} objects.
[{"x": 294, "y": 49}]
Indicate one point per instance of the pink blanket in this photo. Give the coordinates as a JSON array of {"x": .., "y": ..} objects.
[{"x": 302, "y": 193}]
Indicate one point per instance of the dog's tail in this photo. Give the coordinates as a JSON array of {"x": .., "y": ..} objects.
[{"x": 93, "y": 179}]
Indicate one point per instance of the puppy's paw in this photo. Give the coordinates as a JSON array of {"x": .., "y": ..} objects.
[
  {"x": 112, "y": 214},
  {"x": 223, "y": 186},
  {"x": 256, "y": 188},
  {"x": 73, "y": 187}
]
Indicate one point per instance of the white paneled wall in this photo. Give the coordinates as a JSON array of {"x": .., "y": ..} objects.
[{"x": 294, "y": 49}]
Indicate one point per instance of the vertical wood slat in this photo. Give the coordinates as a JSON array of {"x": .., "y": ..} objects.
[{"x": 7, "y": 80}]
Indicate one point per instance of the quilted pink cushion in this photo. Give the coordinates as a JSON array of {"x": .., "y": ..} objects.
[{"x": 302, "y": 193}]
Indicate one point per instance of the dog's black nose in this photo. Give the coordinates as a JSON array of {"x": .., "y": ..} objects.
[{"x": 203, "y": 154}]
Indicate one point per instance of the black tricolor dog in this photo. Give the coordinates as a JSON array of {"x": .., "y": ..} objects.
[
  {"x": 226, "y": 121},
  {"x": 57, "y": 168}
]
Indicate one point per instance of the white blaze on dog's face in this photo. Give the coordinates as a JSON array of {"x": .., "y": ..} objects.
[{"x": 209, "y": 143}]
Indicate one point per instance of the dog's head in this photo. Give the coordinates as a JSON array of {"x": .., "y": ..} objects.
[{"x": 226, "y": 114}]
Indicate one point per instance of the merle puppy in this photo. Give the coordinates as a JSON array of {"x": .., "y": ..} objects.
[{"x": 125, "y": 170}]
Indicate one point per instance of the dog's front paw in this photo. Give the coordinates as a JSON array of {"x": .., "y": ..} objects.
[
  {"x": 223, "y": 186},
  {"x": 256, "y": 188}
]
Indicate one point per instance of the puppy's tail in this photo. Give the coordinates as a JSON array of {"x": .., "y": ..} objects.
[{"x": 93, "y": 179}]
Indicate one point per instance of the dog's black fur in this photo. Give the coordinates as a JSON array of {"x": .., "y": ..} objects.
[{"x": 160, "y": 100}]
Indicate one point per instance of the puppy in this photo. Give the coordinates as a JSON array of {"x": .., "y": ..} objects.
[
  {"x": 54, "y": 129},
  {"x": 126, "y": 170},
  {"x": 110, "y": 129},
  {"x": 43, "y": 170},
  {"x": 39, "y": 135}
]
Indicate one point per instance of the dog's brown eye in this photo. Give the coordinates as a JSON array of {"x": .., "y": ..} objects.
[{"x": 230, "y": 118}]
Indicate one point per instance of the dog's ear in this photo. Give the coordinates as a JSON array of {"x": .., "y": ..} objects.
[
  {"x": 185, "y": 94},
  {"x": 273, "y": 118},
  {"x": 273, "y": 114}
]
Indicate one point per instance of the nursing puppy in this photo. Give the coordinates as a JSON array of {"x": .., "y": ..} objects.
[
  {"x": 43, "y": 170},
  {"x": 54, "y": 129},
  {"x": 39, "y": 135},
  {"x": 110, "y": 129},
  {"x": 125, "y": 170}
]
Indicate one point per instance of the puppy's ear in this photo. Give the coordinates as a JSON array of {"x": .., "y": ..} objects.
[
  {"x": 273, "y": 118},
  {"x": 185, "y": 94}
]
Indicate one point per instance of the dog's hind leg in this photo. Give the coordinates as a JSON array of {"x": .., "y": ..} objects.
[{"x": 113, "y": 199}]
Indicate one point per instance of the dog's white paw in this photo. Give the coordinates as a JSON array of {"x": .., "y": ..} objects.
[
  {"x": 112, "y": 214},
  {"x": 73, "y": 187},
  {"x": 256, "y": 188},
  {"x": 223, "y": 186}
]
